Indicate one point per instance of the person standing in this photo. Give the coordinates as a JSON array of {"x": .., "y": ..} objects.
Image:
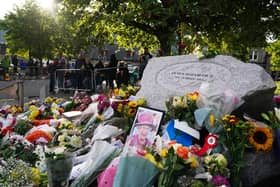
[
  {"x": 111, "y": 73},
  {"x": 122, "y": 77},
  {"x": 87, "y": 73},
  {"x": 144, "y": 61},
  {"x": 51, "y": 70},
  {"x": 99, "y": 73},
  {"x": 15, "y": 63}
]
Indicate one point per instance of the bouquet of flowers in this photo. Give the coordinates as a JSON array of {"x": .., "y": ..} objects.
[
  {"x": 182, "y": 108},
  {"x": 174, "y": 161},
  {"x": 235, "y": 138},
  {"x": 59, "y": 157}
]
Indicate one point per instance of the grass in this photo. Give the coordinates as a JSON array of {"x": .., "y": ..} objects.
[{"x": 277, "y": 91}]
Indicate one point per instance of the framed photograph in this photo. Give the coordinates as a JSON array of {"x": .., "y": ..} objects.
[{"x": 145, "y": 127}]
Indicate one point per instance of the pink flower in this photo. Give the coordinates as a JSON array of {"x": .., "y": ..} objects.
[{"x": 219, "y": 180}]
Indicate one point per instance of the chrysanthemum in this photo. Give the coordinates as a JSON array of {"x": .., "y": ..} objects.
[{"x": 261, "y": 138}]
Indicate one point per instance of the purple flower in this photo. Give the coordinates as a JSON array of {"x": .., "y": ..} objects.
[
  {"x": 277, "y": 99},
  {"x": 114, "y": 105},
  {"x": 219, "y": 180}
]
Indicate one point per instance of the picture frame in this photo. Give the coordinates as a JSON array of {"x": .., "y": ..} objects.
[{"x": 145, "y": 127}]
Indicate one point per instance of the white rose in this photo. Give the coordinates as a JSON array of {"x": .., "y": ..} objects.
[{"x": 76, "y": 141}]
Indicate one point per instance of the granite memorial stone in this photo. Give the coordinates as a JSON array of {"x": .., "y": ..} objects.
[{"x": 177, "y": 75}]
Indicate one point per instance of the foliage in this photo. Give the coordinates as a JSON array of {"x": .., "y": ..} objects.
[
  {"x": 274, "y": 50},
  {"x": 25, "y": 33},
  {"x": 272, "y": 118},
  {"x": 22, "y": 127},
  {"x": 223, "y": 22},
  {"x": 235, "y": 138}
]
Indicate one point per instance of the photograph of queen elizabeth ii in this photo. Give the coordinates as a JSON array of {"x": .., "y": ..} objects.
[{"x": 145, "y": 127}]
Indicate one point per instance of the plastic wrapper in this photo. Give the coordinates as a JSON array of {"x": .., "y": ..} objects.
[
  {"x": 219, "y": 98},
  {"x": 99, "y": 157}
]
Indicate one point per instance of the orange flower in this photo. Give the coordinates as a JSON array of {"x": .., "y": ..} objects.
[
  {"x": 193, "y": 96},
  {"x": 171, "y": 143},
  {"x": 33, "y": 136},
  {"x": 182, "y": 152}
]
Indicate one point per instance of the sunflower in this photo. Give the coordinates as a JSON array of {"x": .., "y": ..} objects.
[
  {"x": 261, "y": 138},
  {"x": 132, "y": 104},
  {"x": 131, "y": 112}
]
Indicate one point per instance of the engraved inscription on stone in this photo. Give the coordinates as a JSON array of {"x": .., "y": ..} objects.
[{"x": 192, "y": 74}]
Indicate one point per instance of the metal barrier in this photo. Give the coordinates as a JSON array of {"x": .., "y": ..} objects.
[
  {"x": 73, "y": 79},
  {"x": 88, "y": 80}
]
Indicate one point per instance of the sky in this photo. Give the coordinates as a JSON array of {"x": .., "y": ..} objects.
[{"x": 8, "y": 5}]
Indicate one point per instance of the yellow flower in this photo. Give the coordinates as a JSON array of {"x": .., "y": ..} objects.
[
  {"x": 228, "y": 129},
  {"x": 19, "y": 109},
  {"x": 48, "y": 100},
  {"x": 141, "y": 101},
  {"x": 34, "y": 114},
  {"x": 116, "y": 91},
  {"x": 261, "y": 138},
  {"x": 151, "y": 158},
  {"x": 122, "y": 93},
  {"x": 193, "y": 96},
  {"x": 132, "y": 104},
  {"x": 36, "y": 176},
  {"x": 131, "y": 112},
  {"x": 99, "y": 117},
  {"x": 120, "y": 108},
  {"x": 194, "y": 162},
  {"x": 164, "y": 152},
  {"x": 130, "y": 88},
  {"x": 212, "y": 120},
  {"x": 14, "y": 109},
  {"x": 32, "y": 107}
]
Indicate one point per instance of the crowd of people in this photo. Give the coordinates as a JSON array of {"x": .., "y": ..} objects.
[
  {"x": 14, "y": 66},
  {"x": 80, "y": 73}
]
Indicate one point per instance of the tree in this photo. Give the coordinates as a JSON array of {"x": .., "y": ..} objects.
[
  {"x": 274, "y": 50},
  {"x": 235, "y": 24},
  {"x": 29, "y": 29}
]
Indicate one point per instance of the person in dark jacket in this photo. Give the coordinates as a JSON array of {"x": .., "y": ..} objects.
[
  {"x": 51, "y": 70},
  {"x": 122, "y": 75},
  {"x": 111, "y": 73}
]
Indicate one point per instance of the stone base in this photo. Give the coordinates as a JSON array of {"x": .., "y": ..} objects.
[{"x": 260, "y": 168}]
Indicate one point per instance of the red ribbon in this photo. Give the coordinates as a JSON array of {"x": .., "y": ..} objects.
[{"x": 210, "y": 142}]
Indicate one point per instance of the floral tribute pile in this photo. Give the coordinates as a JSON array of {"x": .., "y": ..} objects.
[{"x": 81, "y": 141}]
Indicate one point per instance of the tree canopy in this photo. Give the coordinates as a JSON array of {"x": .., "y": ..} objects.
[
  {"x": 29, "y": 29},
  {"x": 234, "y": 24},
  {"x": 221, "y": 26}
]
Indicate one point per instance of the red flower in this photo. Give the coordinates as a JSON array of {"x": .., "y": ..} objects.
[{"x": 182, "y": 152}]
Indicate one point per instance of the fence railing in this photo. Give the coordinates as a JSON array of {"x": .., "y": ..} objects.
[{"x": 89, "y": 80}]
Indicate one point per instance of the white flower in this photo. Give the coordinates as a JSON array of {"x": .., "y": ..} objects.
[
  {"x": 277, "y": 113},
  {"x": 56, "y": 150},
  {"x": 221, "y": 160},
  {"x": 177, "y": 101},
  {"x": 76, "y": 141}
]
